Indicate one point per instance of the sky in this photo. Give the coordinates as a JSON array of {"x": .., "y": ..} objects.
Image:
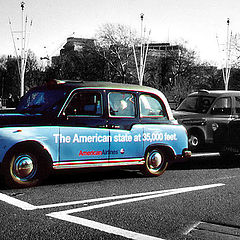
[{"x": 196, "y": 22}]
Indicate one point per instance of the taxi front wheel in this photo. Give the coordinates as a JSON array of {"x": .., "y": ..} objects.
[
  {"x": 23, "y": 168},
  {"x": 155, "y": 163}
]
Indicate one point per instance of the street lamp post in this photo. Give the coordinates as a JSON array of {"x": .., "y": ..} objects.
[
  {"x": 22, "y": 72},
  {"x": 143, "y": 53},
  {"x": 22, "y": 60}
]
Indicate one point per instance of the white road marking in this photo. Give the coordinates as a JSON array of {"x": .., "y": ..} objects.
[
  {"x": 103, "y": 227},
  {"x": 27, "y": 206},
  {"x": 137, "y": 199},
  {"x": 64, "y": 215},
  {"x": 15, "y": 202},
  {"x": 102, "y": 199}
]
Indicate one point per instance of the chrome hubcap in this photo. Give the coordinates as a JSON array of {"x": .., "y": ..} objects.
[
  {"x": 23, "y": 167},
  {"x": 193, "y": 141},
  {"x": 155, "y": 160}
]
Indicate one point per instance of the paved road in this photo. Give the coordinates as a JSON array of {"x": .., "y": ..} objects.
[{"x": 195, "y": 200}]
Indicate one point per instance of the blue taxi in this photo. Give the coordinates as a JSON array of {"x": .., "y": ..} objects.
[{"x": 75, "y": 125}]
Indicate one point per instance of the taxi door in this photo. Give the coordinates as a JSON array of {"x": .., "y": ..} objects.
[
  {"x": 126, "y": 147},
  {"x": 221, "y": 113},
  {"x": 84, "y": 136}
]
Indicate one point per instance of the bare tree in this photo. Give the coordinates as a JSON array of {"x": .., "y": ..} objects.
[
  {"x": 115, "y": 45},
  {"x": 234, "y": 51}
]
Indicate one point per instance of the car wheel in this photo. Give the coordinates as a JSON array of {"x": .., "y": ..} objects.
[
  {"x": 155, "y": 163},
  {"x": 195, "y": 141},
  {"x": 23, "y": 169}
]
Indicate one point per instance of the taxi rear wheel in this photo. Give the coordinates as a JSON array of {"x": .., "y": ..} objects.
[
  {"x": 155, "y": 163},
  {"x": 23, "y": 168}
]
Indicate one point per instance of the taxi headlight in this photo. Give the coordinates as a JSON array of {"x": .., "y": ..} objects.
[{"x": 214, "y": 126}]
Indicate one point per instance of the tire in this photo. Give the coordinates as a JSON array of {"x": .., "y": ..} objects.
[
  {"x": 155, "y": 163},
  {"x": 195, "y": 141},
  {"x": 23, "y": 168}
]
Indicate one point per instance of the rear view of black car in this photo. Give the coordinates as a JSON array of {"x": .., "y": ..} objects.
[{"x": 227, "y": 138}]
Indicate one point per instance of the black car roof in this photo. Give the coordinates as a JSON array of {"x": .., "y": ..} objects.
[{"x": 215, "y": 93}]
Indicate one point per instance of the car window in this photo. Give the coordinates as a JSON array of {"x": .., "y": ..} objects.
[
  {"x": 197, "y": 104},
  {"x": 151, "y": 107},
  {"x": 121, "y": 104},
  {"x": 40, "y": 101},
  {"x": 237, "y": 100},
  {"x": 222, "y": 106},
  {"x": 85, "y": 104}
]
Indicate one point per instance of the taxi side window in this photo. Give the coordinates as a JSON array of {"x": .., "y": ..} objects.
[
  {"x": 151, "y": 107},
  {"x": 121, "y": 104},
  {"x": 84, "y": 104},
  {"x": 222, "y": 106},
  {"x": 237, "y": 100}
]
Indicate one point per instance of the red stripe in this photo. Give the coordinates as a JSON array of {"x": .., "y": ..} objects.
[{"x": 94, "y": 162}]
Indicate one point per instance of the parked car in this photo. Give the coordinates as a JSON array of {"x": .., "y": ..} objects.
[
  {"x": 202, "y": 112},
  {"x": 227, "y": 139},
  {"x": 69, "y": 125}
]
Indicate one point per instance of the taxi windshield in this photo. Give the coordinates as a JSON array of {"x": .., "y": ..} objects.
[
  {"x": 196, "y": 104},
  {"x": 40, "y": 101}
]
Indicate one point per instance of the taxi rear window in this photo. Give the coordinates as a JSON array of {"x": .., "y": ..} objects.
[{"x": 151, "y": 106}]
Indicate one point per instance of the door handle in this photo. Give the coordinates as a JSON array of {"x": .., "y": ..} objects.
[
  {"x": 103, "y": 126},
  {"x": 114, "y": 126}
]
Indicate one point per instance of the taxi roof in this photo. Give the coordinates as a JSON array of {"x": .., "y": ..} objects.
[{"x": 72, "y": 84}]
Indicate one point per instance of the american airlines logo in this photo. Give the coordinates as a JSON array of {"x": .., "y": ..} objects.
[
  {"x": 90, "y": 153},
  {"x": 97, "y": 153}
]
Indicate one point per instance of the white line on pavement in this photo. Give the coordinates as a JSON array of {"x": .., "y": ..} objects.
[
  {"x": 18, "y": 203},
  {"x": 102, "y": 199},
  {"x": 64, "y": 215},
  {"x": 137, "y": 199},
  {"x": 103, "y": 227},
  {"x": 26, "y": 206}
]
